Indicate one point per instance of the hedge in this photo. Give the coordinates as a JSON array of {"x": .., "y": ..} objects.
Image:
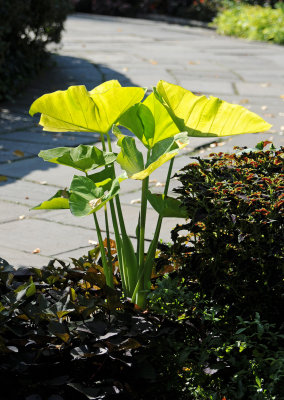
[{"x": 26, "y": 27}]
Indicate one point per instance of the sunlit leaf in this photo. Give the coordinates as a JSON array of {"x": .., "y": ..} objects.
[
  {"x": 86, "y": 198},
  {"x": 76, "y": 109},
  {"x": 82, "y": 157},
  {"x": 58, "y": 201},
  {"x": 162, "y": 152},
  {"x": 131, "y": 159},
  {"x": 200, "y": 116},
  {"x": 27, "y": 289},
  {"x": 150, "y": 121}
]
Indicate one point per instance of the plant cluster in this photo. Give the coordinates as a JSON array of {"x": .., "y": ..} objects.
[
  {"x": 252, "y": 22},
  {"x": 163, "y": 123},
  {"x": 229, "y": 285},
  {"x": 213, "y": 328},
  {"x": 64, "y": 335},
  {"x": 264, "y": 3},
  {"x": 26, "y": 27},
  {"x": 219, "y": 354}
]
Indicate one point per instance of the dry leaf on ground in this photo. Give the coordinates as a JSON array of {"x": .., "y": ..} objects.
[
  {"x": 36, "y": 251},
  {"x": 3, "y": 178},
  {"x": 135, "y": 201},
  {"x": 244, "y": 101},
  {"x": 18, "y": 153}
]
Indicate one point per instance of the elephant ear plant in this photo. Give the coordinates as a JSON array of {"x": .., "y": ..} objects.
[{"x": 163, "y": 122}]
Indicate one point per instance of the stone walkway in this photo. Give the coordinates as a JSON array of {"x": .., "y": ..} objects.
[{"x": 136, "y": 52}]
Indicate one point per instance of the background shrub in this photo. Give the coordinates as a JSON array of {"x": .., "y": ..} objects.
[
  {"x": 26, "y": 27},
  {"x": 198, "y": 9},
  {"x": 252, "y": 22},
  {"x": 229, "y": 290}
]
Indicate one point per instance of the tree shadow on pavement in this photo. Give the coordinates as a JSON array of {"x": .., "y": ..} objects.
[{"x": 21, "y": 138}]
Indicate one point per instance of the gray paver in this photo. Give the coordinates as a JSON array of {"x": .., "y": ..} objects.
[
  {"x": 136, "y": 52},
  {"x": 18, "y": 258},
  {"x": 25, "y": 193},
  {"x": 51, "y": 239},
  {"x": 48, "y": 138},
  {"x": 12, "y": 212}
]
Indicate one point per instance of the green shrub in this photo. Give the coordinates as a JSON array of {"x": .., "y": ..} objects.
[
  {"x": 197, "y": 9},
  {"x": 213, "y": 328},
  {"x": 252, "y": 22},
  {"x": 26, "y": 27},
  {"x": 219, "y": 355},
  {"x": 65, "y": 335},
  {"x": 229, "y": 289}
]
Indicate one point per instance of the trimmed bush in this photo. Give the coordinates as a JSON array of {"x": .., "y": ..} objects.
[
  {"x": 252, "y": 22},
  {"x": 26, "y": 27},
  {"x": 229, "y": 289}
]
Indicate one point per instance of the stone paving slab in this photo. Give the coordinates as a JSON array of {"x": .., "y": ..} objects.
[
  {"x": 24, "y": 192},
  {"x": 136, "y": 52},
  {"x": 29, "y": 234},
  {"x": 48, "y": 138},
  {"x": 13, "y": 212},
  {"x": 20, "y": 258}
]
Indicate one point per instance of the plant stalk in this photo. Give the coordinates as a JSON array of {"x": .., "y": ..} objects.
[
  {"x": 145, "y": 274},
  {"x": 123, "y": 273},
  {"x": 145, "y": 184},
  {"x": 108, "y": 239},
  {"x": 108, "y": 273}
]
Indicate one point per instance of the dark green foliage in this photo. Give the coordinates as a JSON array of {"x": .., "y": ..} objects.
[
  {"x": 198, "y": 9},
  {"x": 236, "y": 230},
  {"x": 26, "y": 27},
  {"x": 63, "y": 332},
  {"x": 214, "y": 328},
  {"x": 220, "y": 355},
  {"x": 229, "y": 289}
]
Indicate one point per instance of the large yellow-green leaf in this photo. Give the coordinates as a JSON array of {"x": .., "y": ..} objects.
[
  {"x": 76, "y": 109},
  {"x": 82, "y": 157},
  {"x": 150, "y": 121},
  {"x": 200, "y": 116}
]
